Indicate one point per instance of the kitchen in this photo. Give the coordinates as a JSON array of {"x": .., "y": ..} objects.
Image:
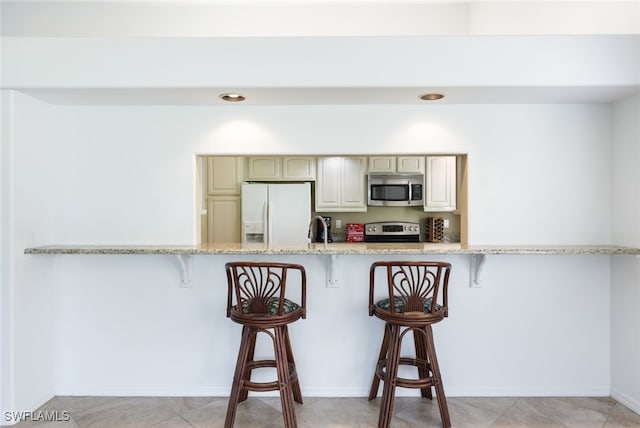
[
  {"x": 551, "y": 161},
  {"x": 226, "y": 206}
]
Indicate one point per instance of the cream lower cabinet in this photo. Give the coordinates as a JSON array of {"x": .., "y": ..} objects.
[
  {"x": 440, "y": 184},
  {"x": 341, "y": 184},
  {"x": 223, "y": 219}
]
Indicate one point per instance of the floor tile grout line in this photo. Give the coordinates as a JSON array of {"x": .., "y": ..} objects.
[
  {"x": 175, "y": 414},
  {"x": 607, "y": 418},
  {"x": 606, "y": 421},
  {"x": 188, "y": 423},
  {"x": 504, "y": 412}
]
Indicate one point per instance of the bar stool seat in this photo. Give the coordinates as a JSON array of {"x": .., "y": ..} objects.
[
  {"x": 413, "y": 287},
  {"x": 256, "y": 300},
  {"x": 399, "y": 305}
]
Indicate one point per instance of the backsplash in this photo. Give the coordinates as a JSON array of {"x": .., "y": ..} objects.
[{"x": 376, "y": 214}]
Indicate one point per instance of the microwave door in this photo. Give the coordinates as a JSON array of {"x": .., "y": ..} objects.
[{"x": 390, "y": 192}]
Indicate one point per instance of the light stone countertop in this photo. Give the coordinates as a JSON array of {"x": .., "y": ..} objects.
[{"x": 333, "y": 248}]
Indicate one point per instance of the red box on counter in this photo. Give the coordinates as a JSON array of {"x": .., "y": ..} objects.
[{"x": 355, "y": 232}]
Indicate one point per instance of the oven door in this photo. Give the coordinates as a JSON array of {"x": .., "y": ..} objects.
[{"x": 391, "y": 238}]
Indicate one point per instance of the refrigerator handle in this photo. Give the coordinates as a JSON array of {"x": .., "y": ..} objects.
[{"x": 269, "y": 216}]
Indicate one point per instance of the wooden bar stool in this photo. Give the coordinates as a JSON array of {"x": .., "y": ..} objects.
[
  {"x": 417, "y": 298},
  {"x": 256, "y": 299}
]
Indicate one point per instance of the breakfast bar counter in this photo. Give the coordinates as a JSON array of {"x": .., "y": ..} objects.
[{"x": 333, "y": 248}]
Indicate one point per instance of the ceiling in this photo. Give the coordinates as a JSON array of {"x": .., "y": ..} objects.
[
  {"x": 315, "y": 18},
  {"x": 320, "y": 18}
]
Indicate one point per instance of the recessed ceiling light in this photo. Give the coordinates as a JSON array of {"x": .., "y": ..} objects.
[
  {"x": 431, "y": 97},
  {"x": 232, "y": 98}
]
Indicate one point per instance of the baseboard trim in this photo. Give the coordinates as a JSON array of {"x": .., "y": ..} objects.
[
  {"x": 146, "y": 392},
  {"x": 603, "y": 391},
  {"x": 625, "y": 400}
]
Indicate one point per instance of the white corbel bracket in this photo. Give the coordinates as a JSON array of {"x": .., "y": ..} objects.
[
  {"x": 477, "y": 261},
  {"x": 186, "y": 265},
  {"x": 332, "y": 281}
]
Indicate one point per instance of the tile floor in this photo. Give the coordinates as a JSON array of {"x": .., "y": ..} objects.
[{"x": 264, "y": 412}]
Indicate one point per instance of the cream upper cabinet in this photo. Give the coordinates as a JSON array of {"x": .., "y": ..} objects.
[
  {"x": 289, "y": 168},
  {"x": 298, "y": 168},
  {"x": 341, "y": 184},
  {"x": 224, "y": 175},
  {"x": 440, "y": 183},
  {"x": 410, "y": 164},
  {"x": 396, "y": 164},
  {"x": 264, "y": 168},
  {"x": 380, "y": 164}
]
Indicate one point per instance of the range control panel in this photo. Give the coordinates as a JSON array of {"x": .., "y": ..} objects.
[{"x": 392, "y": 231}]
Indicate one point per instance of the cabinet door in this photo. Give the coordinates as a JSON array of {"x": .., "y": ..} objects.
[
  {"x": 354, "y": 196},
  {"x": 328, "y": 184},
  {"x": 264, "y": 168},
  {"x": 440, "y": 183},
  {"x": 410, "y": 164},
  {"x": 223, "y": 219},
  {"x": 382, "y": 164},
  {"x": 224, "y": 175},
  {"x": 298, "y": 168}
]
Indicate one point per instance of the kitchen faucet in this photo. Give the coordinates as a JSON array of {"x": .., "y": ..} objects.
[{"x": 326, "y": 230}]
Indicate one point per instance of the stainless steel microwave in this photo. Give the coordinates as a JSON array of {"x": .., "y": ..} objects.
[{"x": 398, "y": 190}]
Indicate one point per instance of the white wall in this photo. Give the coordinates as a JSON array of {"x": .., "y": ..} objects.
[
  {"x": 6, "y": 387},
  {"x": 625, "y": 175},
  {"x": 126, "y": 327},
  {"x": 556, "y": 158},
  {"x": 28, "y": 200},
  {"x": 625, "y": 271},
  {"x": 124, "y": 174}
]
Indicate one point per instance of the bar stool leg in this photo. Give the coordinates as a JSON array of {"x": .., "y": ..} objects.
[
  {"x": 435, "y": 369},
  {"x": 388, "y": 391},
  {"x": 420, "y": 339},
  {"x": 244, "y": 394},
  {"x": 297, "y": 393},
  {"x": 282, "y": 366},
  {"x": 238, "y": 377},
  {"x": 375, "y": 383}
]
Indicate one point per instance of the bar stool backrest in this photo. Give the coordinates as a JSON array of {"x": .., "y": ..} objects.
[
  {"x": 418, "y": 285},
  {"x": 255, "y": 285}
]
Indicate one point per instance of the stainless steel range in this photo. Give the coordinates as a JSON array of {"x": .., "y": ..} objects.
[{"x": 392, "y": 231}]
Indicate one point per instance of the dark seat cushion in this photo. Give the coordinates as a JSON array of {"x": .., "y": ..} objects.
[
  {"x": 399, "y": 305},
  {"x": 273, "y": 306}
]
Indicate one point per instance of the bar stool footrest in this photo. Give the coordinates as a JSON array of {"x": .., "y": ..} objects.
[
  {"x": 267, "y": 386},
  {"x": 404, "y": 382}
]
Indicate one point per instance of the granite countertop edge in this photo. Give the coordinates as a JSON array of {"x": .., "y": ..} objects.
[{"x": 332, "y": 249}]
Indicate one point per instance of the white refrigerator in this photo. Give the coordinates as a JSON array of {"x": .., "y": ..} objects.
[{"x": 276, "y": 213}]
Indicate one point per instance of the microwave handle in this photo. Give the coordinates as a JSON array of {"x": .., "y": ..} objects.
[{"x": 410, "y": 192}]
